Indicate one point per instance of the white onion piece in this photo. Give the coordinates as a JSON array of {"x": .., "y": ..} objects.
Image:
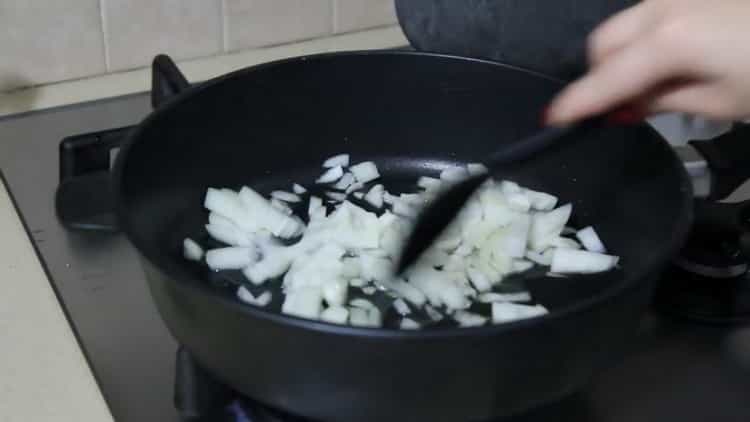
[
  {"x": 544, "y": 258},
  {"x": 518, "y": 202},
  {"x": 298, "y": 189},
  {"x": 346, "y": 180},
  {"x": 263, "y": 299},
  {"x": 359, "y": 317},
  {"x": 281, "y": 206},
  {"x": 331, "y": 175},
  {"x": 334, "y": 292},
  {"x": 230, "y": 206},
  {"x": 375, "y": 196},
  {"x": 591, "y": 240},
  {"x": 267, "y": 217},
  {"x": 403, "y": 209},
  {"x": 335, "y": 315},
  {"x": 404, "y": 290},
  {"x": 231, "y": 258},
  {"x": 357, "y": 282},
  {"x": 359, "y": 195},
  {"x": 476, "y": 169},
  {"x": 507, "y": 311},
  {"x": 469, "y": 319},
  {"x": 509, "y": 188},
  {"x": 219, "y": 220},
  {"x": 285, "y": 196},
  {"x": 336, "y": 196},
  {"x": 271, "y": 266},
  {"x": 315, "y": 209},
  {"x": 429, "y": 183},
  {"x": 409, "y": 324},
  {"x": 354, "y": 187},
  {"x": 305, "y": 302},
  {"x": 568, "y": 261},
  {"x": 547, "y": 226},
  {"x": 504, "y": 297},
  {"x": 454, "y": 174},
  {"x": 340, "y": 160},
  {"x": 540, "y": 201},
  {"x": 365, "y": 171},
  {"x": 478, "y": 279},
  {"x": 401, "y": 307},
  {"x": 369, "y": 290},
  {"x": 230, "y": 235},
  {"x": 191, "y": 250}
]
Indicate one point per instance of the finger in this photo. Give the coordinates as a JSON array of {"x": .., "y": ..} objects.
[
  {"x": 703, "y": 98},
  {"x": 621, "y": 29},
  {"x": 627, "y": 75}
]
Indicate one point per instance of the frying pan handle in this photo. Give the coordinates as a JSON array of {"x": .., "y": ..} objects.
[
  {"x": 84, "y": 199},
  {"x": 728, "y": 158},
  {"x": 166, "y": 80}
]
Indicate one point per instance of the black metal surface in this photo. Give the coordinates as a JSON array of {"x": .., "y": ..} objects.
[{"x": 415, "y": 115}]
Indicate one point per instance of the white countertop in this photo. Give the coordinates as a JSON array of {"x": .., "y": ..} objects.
[{"x": 43, "y": 373}]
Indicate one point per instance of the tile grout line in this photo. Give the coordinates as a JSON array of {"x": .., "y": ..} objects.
[
  {"x": 105, "y": 41},
  {"x": 334, "y": 16},
  {"x": 224, "y": 27}
]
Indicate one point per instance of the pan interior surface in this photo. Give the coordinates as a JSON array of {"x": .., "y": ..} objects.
[{"x": 413, "y": 115}]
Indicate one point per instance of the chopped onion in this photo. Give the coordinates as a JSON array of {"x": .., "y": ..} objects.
[
  {"x": 405, "y": 290},
  {"x": 409, "y": 324},
  {"x": 547, "y": 226},
  {"x": 365, "y": 171},
  {"x": 567, "y": 261},
  {"x": 191, "y": 250},
  {"x": 469, "y": 319},
  {"x": 262, "y": 300},
  {"x": 504, "y": 297},
  {"x": 346, "y": 180},
  {"x": 305, "y": 302},
  {"x": 478, "y": 279},
  {"x": 565, "y": 243},
  {"x": 544, "y": 258},
  {"x": 231, "y": 258},
  {"x": 521, "y": 265},
  {"x": 401, "y": 307},
  {"x": 335, "y": 292},
  {"x": 476, "y": 169},
  {"x": 590, "y": 240},
  {"x": 331, "y": 175},
  {"x": 359, "y": 195},
  {"x": 375, "y": 196},
  {"x": 335, "y": 315},
  {"x": 336, "y": 196},
  {"x": 540, "y": 201},
  {"x": 285, "y": 196},
  {"x": 271, "y": 266},
  {"x": 229, "y": 206},
  {"x": 354, "y": 187},
  {"x": 507, "y": 311},
  {"x": 281, "y": 206},
  {"x": 298, "y": 189},
  {"x": 340, "y": 160}
]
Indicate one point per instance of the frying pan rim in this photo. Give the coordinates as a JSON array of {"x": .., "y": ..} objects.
[{"x": 680, "y": 232}]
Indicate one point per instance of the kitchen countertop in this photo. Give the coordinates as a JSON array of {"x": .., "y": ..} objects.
[{"x": 44, "y": 376}]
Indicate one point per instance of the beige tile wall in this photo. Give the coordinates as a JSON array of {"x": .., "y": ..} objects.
[{"x": 43, "y": 41}]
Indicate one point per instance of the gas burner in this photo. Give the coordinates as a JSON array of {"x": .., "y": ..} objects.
[{"x": 708, "y": 281}]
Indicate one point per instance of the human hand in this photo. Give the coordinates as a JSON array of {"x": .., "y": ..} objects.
[{"x": 689, "y": 56}]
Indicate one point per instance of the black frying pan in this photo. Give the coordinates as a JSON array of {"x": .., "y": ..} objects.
[{"x": 413, "y": 114}]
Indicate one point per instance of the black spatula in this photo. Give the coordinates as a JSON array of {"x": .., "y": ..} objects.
[{"x": 441, "y": 212}]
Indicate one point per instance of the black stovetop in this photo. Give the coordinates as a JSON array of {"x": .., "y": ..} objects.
[{"x": 674, "y": 371}]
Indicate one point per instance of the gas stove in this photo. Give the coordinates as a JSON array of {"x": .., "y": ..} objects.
[{"x": 677, "y": 369}]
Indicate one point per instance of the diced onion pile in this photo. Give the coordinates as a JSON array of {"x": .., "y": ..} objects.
[{"x": 344, "y": 248}]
